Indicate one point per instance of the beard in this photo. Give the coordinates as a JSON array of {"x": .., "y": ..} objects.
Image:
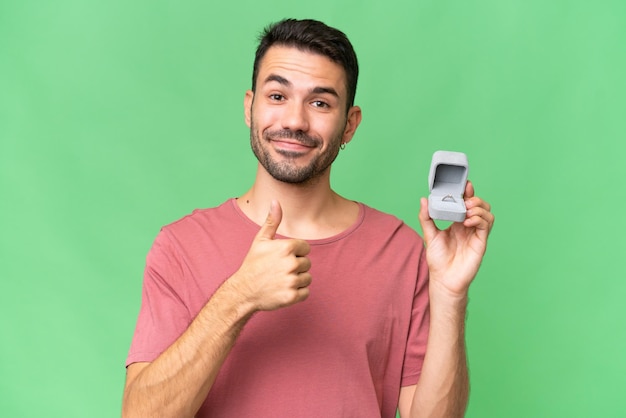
[{"x": 287, "y": 169}]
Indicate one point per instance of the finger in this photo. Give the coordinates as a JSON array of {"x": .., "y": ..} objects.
[
  {"x": 428, "y": 225},
  {"x": 301, "y": 247},
  {"x": 479, "y": 218},
  {"x": 476, "y": 202},
  {"x": 303, "y": 293},
  {"x": 469, "y": 190},
  {"x": 304, "y": 280},
  {"x": 304, "y": 264},
  {"x": 269, "y": 228}
]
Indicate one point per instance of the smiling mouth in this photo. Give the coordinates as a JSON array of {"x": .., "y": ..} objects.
[
  {"x": 290, "y": 149},
  {"x": 291, "y": 139},
  {"x": 291, "y": 144}
]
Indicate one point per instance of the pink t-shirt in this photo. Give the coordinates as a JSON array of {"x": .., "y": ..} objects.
[{"x": 343, "y": 352}]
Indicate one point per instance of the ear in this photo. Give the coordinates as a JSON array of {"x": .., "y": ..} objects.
[
  {"x": 247, "y": 106},
  {"x": 352, "y": 122}
]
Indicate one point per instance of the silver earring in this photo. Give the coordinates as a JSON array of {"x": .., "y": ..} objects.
[{"x": 342, "y": 146}]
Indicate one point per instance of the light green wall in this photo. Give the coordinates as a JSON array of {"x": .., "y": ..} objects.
[{"x": 118, "y": 117}]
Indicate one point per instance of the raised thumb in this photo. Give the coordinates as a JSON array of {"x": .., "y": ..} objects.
[{"x": 269, "y": 228}]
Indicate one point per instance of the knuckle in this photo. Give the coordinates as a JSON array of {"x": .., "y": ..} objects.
[
  {"x": 304, "y": 294},
  {"x": 289, "y": 298},
  {"x": 291, "y": 264}
]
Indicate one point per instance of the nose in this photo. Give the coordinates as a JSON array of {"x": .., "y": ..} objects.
[{"x": 295, "y": 117}]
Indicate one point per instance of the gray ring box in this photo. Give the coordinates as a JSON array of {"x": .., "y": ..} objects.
[{"x": 447, "y": 180}]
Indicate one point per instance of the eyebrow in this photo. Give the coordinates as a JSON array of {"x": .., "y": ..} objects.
[
  {"x": 328, "y": 90},
  {"x": 317, "y": 90},
  {"x": 278, "y": 79}
]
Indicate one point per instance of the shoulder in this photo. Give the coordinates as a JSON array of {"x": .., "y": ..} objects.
[
  {"x": 204, "y": 219},
  {"x": 213, "y": 226},
  {"x": 222, "y": 231},
  {"x": 381, "y": 223}
]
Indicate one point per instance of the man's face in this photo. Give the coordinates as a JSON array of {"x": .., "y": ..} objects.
[{"x": 297, "y": 116}]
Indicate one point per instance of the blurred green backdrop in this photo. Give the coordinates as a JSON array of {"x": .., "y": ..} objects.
[{"x": 119, "y": 117}]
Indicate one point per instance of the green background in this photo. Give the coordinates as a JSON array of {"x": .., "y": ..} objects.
[{"x": 118, "y": 117}]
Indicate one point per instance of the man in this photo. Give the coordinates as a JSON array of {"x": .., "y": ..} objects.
[{"x": 323, "y": 310}]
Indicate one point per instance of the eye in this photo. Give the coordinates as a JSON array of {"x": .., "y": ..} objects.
[
  {"x": 276, "y": 97},
  {"x": 320, "y": 104}
]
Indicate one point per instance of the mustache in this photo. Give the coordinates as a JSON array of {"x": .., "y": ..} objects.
[{"x": 299, "y": 136}]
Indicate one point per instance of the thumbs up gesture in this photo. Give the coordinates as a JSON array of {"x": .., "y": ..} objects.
[{"x": 275, "y": 272}]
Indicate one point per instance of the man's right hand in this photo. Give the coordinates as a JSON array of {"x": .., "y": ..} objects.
[{"x": 275, "y": 272}]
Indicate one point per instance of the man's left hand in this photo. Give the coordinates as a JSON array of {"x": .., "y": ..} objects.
[{"x": 454, "y": 254}]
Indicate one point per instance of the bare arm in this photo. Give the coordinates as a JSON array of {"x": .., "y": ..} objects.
[
  {"x": 273, "y": 275},
  {"x": 443, "y": 387},
  {"x": 454, "y": 256},
  {"x": 177, "y": 382}
]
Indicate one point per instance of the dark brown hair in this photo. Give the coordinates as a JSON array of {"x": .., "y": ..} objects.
[{"x": 311, "y": 36}]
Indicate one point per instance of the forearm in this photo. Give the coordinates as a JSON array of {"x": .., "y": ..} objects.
[
  {"x": 443, "y": 388},
  {"x": 178, "y": 381}
]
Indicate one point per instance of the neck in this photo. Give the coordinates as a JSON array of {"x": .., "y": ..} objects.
[{"x": 311, "y": 210}]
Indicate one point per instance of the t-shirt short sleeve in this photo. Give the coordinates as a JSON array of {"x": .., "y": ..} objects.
[
  {"x": 418, "y": 330},
  {"x": 163, "y": 316}
]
